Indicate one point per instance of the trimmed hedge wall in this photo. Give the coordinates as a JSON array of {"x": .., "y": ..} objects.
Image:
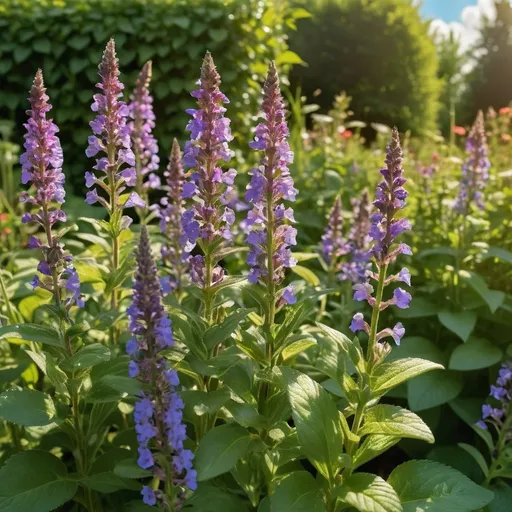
[{"x": 66, "y": 39}]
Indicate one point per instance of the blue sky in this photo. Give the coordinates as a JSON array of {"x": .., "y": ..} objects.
[{"x": 447, "y": 10}]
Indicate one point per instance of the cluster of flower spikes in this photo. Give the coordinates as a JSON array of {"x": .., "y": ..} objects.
[
  {"x": 112, "y": 139},
  {"x": 384, "y": 228},
  {"x": 144, "y": 144},
  {"x": 475, "y": 170},
  {"x": 208, "y": 222},
  {"x": 271, "y": 235},
  {"x": 170, "y": 211},
  {"x": 501, "y": 392},
  {"x": 333, "y": 244},
  {"x": 42, "y": 167},
  {"x": 359, "y": 242},
  {"x": 158, "y": 411}
]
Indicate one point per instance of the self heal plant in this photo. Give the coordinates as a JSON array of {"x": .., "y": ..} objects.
[
  {"x": 144, "y": 144},
  {"x": 334, "y": 245},
  {"x": 384, "y": 229},
  {"x": 475, "y": 171},
  {"x": 42, "y": 168},
  {"x": 207, "y": 223},
  {"x": 170, "y": 212},
  {"x": 158, "y": 412}
]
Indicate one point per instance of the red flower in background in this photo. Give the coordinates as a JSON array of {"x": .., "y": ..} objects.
[
  {"x": 504, "y": 110},
  {"x": 346, "y": 134},
  {"x": 459, "y": 130}
]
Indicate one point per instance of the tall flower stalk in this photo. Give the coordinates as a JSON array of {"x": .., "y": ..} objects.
[
  {"x": 115, "y": 161},
  {"x": 271, "y": 236},
  {"x": 475, "y": 171},
  {"x": 334, "y": 245},
  {"x": 144, "y": 144},
  {"x": 42, "y": 168},
  {"x": 384, "y": 229},
  {"x": 207, "y": 223},
  {"x": 170, "y": 212},
  {"x": 158, "y": 411}
]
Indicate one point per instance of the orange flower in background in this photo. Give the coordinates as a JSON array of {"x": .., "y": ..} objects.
[
  {"x": 504, "y": 110},
  {"x": 435, "y": 157},
  {"x": 7, "y": 231},
  {"x": 459, "y": 130},
  {"x": 3, "y": 217},
  {"x": 505, "y": 137},
  {"x": 346, "y": 134}
]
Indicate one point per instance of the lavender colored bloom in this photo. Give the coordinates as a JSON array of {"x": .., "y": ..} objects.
[
  {"x": 158, "y": 412},
  {"x": 358, "y": 323},
  {"x": 502, "y": 393},
  {"x": 475, "y": 171},
  {"x": 270, "y": 236},
  {"x": 333, "y": 244},
  {"x": 208, "y": 146},
  {"x": 145, "y": 146},
  {"x": 111, "y": 143},
  {"x": 384, "y": 228},
  {"x": 42, "y": 167}
]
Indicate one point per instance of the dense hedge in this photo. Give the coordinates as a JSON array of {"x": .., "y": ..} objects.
[
  {"x": 66, "y": 38},
  {"x": 379, "y": 52}
]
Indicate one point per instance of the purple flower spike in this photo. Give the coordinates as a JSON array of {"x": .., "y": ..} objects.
[
  {"x": 271, "y": 236},
  {"x": 41, "y": 166},
  {"x": 204, "y": 153},
  {"x": 145, "y": 146},
  {"x": 111, "y": 143},
  {"x": 475, "y": 171},
  {"x": 158, "y": 412},
  {"x": 333, "y": 244},
  {"x": 503, "y": 394}
]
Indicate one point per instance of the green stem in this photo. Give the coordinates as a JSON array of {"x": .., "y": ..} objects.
[
  {"x": 375, "y": 314},
  {"x": 500, "y": 445},
  {"x": 8, "y": 306}
]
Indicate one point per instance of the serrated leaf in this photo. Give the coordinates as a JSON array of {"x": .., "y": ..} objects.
[
  {"x": 34, "y": 481},
  {"x": 389, "y": 375},
  {"x": 297, "y": 492},
  {"x": 395, "y": 421},
  {"x": 88, "y": 356},
  {"x": 27, "y": 407},
  {"x": 424, "y": 485},
  {"x": 317, "y": 421},
  {"x": 32, "y": 332},
  {"x": 369, "y": 493},
  {"x": 220, "y": 449},
  {"x": 461, "y": 323},
  {"x": 477, "y": 353}
]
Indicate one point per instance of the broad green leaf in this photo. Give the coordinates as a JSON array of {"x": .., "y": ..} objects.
[
  {"x": 294, "y": 317},
  {"x": 201, "y": 402},
  {"x": 222, "y": 332},
  {"x": 111, "y": 388},
  {"x": 89, "y": 355},
  {"x": 288, "y": 57},
  {"x": 34, "y": 481},
  {"x": 424, "y": 485},
  {"x": 395, "y": 421},
  {"x": 27, "y": 407},
  {"x": 49, "y": 367},
  {"x": 297, "y": 492},
  {"x": 317, "y": 421},
  {"x": 479, "y": 458},
  {"x": 32, "y": 332},
  {"x": 211, "y": 498},
  {"x": 389, "y": 375},
  {"x": 372, "y": 447},
  {"x": 502, "y": 497},
  {"x": 475, "y": 354},
  {"x": 246, "y": 415},
  {"x": 433, "y": 389},
  {"x": 366, "y": 492},
  {"x": 493, "y": 298},
  {"x": 220, "y": 449},
  {"x": 128, "y": 468},
  {"x": 308, "y": 275},
  {"x": 498, "y": 253},
  {"x": 461, "y": 323},
  {"x": 297, "y": 347}
]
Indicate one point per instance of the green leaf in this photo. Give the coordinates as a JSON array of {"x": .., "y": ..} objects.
[
  {"x": 246, "y": 415},
  {"x": 308, "y": 275},
  {"x": 288, "y": 57},
  {"x": 128, "y": 468},
  {"x": 48, "y": 366},
  {"x": 493, "y": 298},
  {"x": 202, "y": 402},
  {"x": 218, "y": 34},
  {"x": 111, "y": 388},
  {"x": 211, "y": 498},
  {"x": 366, "y": 492},
  {"x": 221, "y": 332},
  {"x": 475, "y": 354},
  {"x": 27, "y": 407},
  {"x": 295, "y": 315},
  {"x": 32, "y": 332},
  {"x": 424, "y": 485},
  {"x": 395, "y": 421},
  {"x": 297, "y": 492},
  {"x": 317, "y": 421},
  {"x": 479, "y": 458},
  {"x": 297, "y": 347},
  {"x": 78, "y": 42},
  {"x": 220, "y": 449},
  {"x": 88, "y": 356},
  {"x": 502, "y": 497},
  {"x": 433, "y": 389},
  {"x": 461, "y": 323},
  {"x": 498, "y": 253},
  {"x": 372, "y": 447},
  {"x": 389, "y": 375},
  {"x": 34, "y": 481}
]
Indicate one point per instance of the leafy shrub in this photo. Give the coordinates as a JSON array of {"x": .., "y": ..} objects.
[
  {"x": 66, "y": 38},
  {"x": 378, "y": 52}
]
